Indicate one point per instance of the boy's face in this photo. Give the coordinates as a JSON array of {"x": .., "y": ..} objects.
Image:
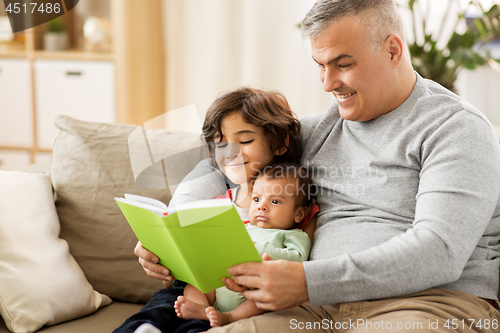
[
  {"x": 242, "y": 150},
  {"x": 273, "y": 204}
]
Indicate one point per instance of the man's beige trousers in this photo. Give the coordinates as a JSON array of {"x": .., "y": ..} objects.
[{"x": 433, "y": 310}]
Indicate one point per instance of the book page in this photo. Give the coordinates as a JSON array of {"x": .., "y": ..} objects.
[
  {"x": 197, "y": 211},
  {"x": 204, "y": 204},
  {"x": 146, "y": 200},
  {"x": 150, "y": 204}
]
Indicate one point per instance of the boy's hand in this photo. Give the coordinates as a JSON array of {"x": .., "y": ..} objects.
[{"x": 149, "y": 263}]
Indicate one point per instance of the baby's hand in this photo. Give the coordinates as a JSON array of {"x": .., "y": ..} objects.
[
  {"x": 233, "y": 286},
  {"x": 254, "y": 242},
  {"x": 266, "y": 257}
]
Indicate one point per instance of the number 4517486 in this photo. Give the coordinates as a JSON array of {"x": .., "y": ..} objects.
[
  {"x": 470, "y": 323},
  {"x": 48, "y": 8}
]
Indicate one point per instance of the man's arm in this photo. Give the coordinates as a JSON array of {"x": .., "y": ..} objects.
[{"x": 458, "y": 193}]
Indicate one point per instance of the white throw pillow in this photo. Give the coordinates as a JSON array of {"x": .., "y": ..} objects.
[{"x": 40, "y": 282}]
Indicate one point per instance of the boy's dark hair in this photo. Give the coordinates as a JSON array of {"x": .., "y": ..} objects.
[
  {"x": 278, "y": 121},
  {"x": 305, "y": 189}
]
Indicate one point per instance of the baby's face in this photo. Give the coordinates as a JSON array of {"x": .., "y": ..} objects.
[{"x": 273, "y": 204}]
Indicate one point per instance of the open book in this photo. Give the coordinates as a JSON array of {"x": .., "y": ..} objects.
[{"x": 198, "y": 241}]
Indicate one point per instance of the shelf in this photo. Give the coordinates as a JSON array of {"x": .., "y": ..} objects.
[
  {"x": 59, "y": 55},
  {"x": 13, "y": 54},
  {"x": 136, "y": 54},
  {"x": 72, "y": 55},
  {"x": 13, "y": 50}
]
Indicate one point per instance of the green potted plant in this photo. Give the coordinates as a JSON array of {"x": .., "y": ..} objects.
[
  {"x": 461, "y": 50},
  {"x": 56, "y": 37}
]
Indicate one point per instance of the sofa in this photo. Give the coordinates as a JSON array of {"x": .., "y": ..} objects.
[{"x": 67, "y": 261}]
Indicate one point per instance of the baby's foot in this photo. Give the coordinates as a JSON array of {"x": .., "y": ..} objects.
[
  {"x": 218, "y": 318},
  {"x": 188, "y": 309}
]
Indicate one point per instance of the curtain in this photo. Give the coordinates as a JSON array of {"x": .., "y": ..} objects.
[{"x": 214, "y": 46}]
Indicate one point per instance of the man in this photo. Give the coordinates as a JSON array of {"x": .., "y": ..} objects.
[{"x": 409, "y": 187}]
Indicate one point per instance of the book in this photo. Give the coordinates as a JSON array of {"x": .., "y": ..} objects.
[{"x": 198, "y": 241}]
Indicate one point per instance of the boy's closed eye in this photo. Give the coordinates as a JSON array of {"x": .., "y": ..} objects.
[{"x": 220, "y": 144}]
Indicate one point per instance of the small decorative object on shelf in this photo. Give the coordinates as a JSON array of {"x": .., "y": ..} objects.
[
  {"x": 97, "y": 35},
  {"x": 10, "y": 43},
  {"x": 6, "y": 34},
  {"x": 56, "y": 37}
]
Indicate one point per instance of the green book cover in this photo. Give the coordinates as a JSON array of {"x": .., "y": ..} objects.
[{"x": 197, "y": 242}]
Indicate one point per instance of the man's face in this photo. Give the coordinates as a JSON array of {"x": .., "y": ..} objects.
[{"x": 351, "y": 70}]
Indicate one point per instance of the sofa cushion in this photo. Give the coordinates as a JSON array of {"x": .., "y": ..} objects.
[
  {"x": 104, "y": 320},
  {"x": 41, "y": 284},
  {"x": 90, "y": 166}
]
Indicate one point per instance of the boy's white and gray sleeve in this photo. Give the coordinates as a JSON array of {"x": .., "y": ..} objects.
[{"x": 203, "y": 182}]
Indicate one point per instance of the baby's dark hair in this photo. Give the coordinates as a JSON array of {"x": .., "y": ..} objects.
[
  {"x": 266, "y": 109},
  {"x": 305, "y": 189}
]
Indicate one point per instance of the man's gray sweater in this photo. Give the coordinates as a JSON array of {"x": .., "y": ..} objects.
[{"x": 408, "y": 201}]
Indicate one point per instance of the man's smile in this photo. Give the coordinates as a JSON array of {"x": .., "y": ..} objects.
[{"x": 343, "y": 97}]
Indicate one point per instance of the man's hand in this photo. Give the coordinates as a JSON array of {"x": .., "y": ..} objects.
[
  {"x": 236, "y": 287},
  {"x": 150, "y": 265},
  {"x": 272, "y": 284}
]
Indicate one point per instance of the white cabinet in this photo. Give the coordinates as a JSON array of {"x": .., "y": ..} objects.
[
  {"x": 125, "y": 84},
  {"x": 84, "y": 90},
  {"x": 16, "y": 119}
]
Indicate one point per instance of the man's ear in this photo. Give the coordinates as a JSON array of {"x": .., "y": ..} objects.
[
  {"x": 394, "y": 45},
  {"x": 283, "y": 149},
  {"x": 300, "y": 213}
]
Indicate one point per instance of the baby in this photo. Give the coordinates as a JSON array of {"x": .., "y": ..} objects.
[{"x": 281, "y": 197}]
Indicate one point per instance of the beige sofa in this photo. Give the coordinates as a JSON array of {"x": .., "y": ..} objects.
[{"x": 90, "y": 166}]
